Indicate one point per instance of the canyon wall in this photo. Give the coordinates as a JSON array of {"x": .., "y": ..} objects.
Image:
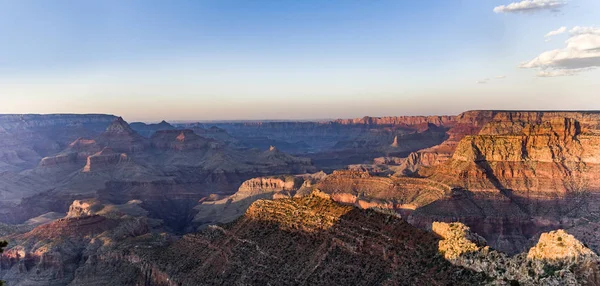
[{"x": 516, "y": 174}]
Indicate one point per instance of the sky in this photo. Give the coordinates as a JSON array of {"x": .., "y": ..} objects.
[{"x": 149, "y": 60}]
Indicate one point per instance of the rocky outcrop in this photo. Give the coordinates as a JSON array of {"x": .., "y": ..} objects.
[
  {"x": 559, "y": 245},
  {"x": 388, "y": 161},
  {"x": 271, "y": 184},
  {"x": 213, "y": 210},
  {"x": 274, "y": 156},
  {"x": 84, "y": 148},
  {"x": 396, "y": 193},
  {"x": 557, "y": 259},
  {"x": 180, "y": 140},
  {"x": 58, "y": 252},
  {"x": 457, "y": 239},
  {"x": 104, "y": 159},
  {"x": 58, "y": 160},
  {"x": 90, "y": 207}
]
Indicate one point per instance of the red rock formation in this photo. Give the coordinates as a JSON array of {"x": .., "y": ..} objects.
[
  {"x": 524, "y": 173},
  {"x": 528, "y": 151}
]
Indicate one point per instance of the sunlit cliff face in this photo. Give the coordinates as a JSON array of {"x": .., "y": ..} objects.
[
  {"x": 557, "y": 258},
  {"x": 312, "y": 213}
]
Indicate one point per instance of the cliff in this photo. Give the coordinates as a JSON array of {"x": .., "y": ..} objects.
[
  {"x": 528, "y": 151},
  {"x": 395, "y": 193},
  {"x": 104, "y": 159},
  {"x": 10, "y": 122}
]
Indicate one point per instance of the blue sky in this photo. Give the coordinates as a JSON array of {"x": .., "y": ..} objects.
[{"x": 186, "y": 60}]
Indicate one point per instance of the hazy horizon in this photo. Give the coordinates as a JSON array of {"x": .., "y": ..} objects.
[
  {"x": 239, "y": 60},
  {"x": 233, "y": 120}
]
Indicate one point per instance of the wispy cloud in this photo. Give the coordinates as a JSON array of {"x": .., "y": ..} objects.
[
  {"x": 556, "y": 32},
  {"x": 530, "y": 6},
  {"x": 487, "y": 80},
  {"x": 582, "y": 53}
]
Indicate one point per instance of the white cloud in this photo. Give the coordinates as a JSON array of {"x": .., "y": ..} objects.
[
  {"x": 483, "y": 81},
  {"x": 556, "y": 32},
  {"x": 577, "y": 30},
  {"x": 530, "y": 5},
  {"x": 501, "y": 77},
  {"x": 581, "y": 53}
]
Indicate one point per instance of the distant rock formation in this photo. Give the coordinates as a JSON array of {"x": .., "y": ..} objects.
[
  {"x": 61, "y": 159},
  {"x": 395, "y": 143},
  {"x": 365, "y": 190},
  {"x": 120, "y": 137},
  {"x": 400, "y": 120},
  {"x": 180, "y": 140},
  {"x": 148, "y": 130},
  {"x": 229, "y": 208},
  {"x": 25, "y": 139},
  {"x": 104, "y": 159},
  {"x": 62, "y": 249}
]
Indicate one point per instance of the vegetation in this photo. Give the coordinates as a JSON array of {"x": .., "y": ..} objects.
[{"x": 3, "y": 244}]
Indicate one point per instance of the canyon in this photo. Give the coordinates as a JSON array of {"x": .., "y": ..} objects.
[{"x": 479, "y": 198}]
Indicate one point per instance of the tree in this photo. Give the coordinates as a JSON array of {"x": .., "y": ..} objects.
[{"x": 3, "y": 244}]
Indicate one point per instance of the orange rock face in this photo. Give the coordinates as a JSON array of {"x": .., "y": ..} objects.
[
  {"x": 520, "y": 173},
  {"x": 528, "y": 151}
]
